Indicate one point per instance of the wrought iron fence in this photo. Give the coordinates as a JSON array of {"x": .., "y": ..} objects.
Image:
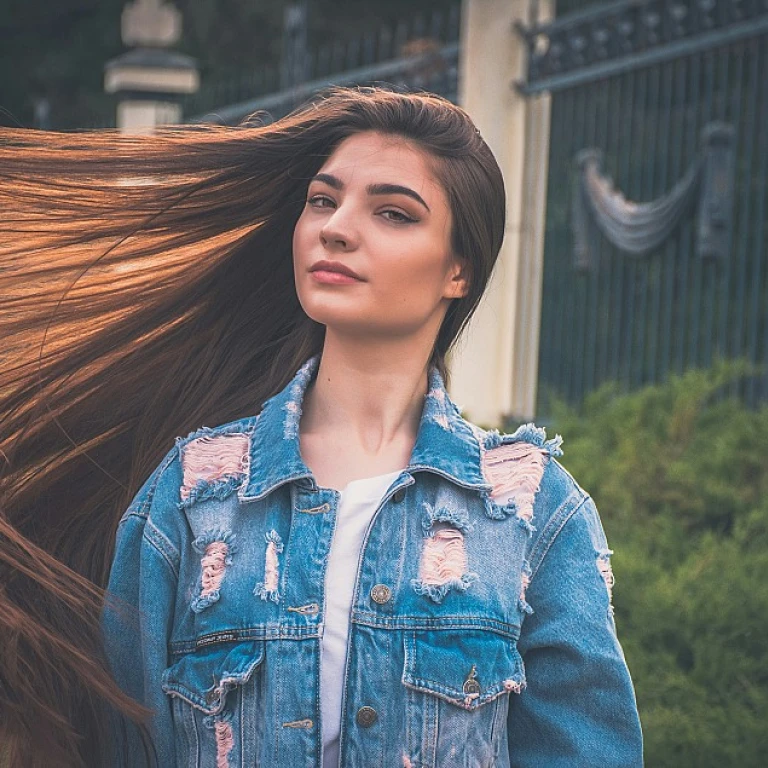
[
  {"x": 436, "y": 72},
  {"x": 421, "y": 52},
  {"x": 639, "y": 82}
]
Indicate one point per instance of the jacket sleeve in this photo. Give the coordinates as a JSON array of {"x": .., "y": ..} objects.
[
  {"x": 578, "y": 707},
  {"x": 139, "y": 608}
]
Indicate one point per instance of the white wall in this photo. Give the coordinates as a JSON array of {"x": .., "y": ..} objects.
[{"x": 494, "y": 366}]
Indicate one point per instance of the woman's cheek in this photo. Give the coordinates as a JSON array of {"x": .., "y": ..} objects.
[
  {"x": 407, "y": 300},
  {"x": 301, "y": 241}
]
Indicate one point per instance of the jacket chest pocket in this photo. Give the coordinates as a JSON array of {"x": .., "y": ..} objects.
[
  {"x": 458, "y": 686},
  {"x": 216, "y": 702}
]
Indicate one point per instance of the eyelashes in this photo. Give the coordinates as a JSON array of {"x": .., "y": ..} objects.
[
  {"x": 316, "y": 198},
  {"x": 390, "y": 214},
  {"x": 402, "y": 218}
]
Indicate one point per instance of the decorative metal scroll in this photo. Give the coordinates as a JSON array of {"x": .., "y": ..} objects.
[
  {"x": 637, "y": 229},
  {"x": 620, "y": 35}
]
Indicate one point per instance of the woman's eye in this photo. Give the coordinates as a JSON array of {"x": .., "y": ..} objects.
[
  {"x": 317, "y": 201},
  {"x": 397, "y": 216}
]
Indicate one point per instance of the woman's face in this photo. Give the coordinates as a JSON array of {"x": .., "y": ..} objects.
[{"x": 377, "y": 209}]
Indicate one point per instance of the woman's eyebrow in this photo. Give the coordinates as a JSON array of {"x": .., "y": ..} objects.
[
  {"x": 373, "y": 189},
  {"x": 395, "y": 189}
]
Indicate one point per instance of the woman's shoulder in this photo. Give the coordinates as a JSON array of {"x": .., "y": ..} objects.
[
  {"x": 202, "y": 464},
  {"x": 523, "y": 456},
  {"x": 530, "y": 483},
  {"x": 526, "y": 477},
  {"x": 213, "y": 461}
]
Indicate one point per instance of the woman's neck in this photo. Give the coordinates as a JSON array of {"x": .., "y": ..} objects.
[{"x": 361, "y": 415}]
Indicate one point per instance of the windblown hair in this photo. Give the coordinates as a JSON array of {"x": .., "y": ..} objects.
[{"x": 147, "y": 289}]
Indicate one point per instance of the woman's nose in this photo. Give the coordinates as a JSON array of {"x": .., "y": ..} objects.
[{"x": 338, "y": 233}]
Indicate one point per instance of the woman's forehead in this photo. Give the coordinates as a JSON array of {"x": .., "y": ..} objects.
[
  {"x": 379, "y": 149},
  {"x": 381, "y": 158}
]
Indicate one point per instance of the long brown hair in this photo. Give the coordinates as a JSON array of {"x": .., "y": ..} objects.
[{"x": 147, "y": 289}]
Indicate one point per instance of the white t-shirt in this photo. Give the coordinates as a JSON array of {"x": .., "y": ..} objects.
[{"x": 358, "y": 503}]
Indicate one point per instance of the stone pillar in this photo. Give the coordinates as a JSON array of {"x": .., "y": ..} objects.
[
  {"x": 494, "y": 368},
  {"x": 150, "y": 79}
]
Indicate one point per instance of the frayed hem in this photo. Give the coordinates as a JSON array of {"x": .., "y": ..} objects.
[
  {"x": 205, "y": 490},
  {"x": 437, "y": 592}
]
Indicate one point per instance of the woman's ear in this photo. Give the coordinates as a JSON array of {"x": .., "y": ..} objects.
[{"x": 458, "y": 280}]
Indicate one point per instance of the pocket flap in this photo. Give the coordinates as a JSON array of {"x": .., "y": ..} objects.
[
  {"x": 468, "y": 668},
  {"x": 203, "y": 677}
]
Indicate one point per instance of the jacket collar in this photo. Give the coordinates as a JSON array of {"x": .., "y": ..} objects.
[{"x": 446, "y": 444}]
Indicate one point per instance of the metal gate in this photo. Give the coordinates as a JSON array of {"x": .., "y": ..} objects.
[{"x": 647, "y": 83}]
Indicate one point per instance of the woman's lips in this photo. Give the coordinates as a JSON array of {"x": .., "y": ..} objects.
[{"x": 333, "y": 278}]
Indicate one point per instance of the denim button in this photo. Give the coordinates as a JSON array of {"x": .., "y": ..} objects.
[
  {"x": 380, "y": 594},
  {"x": 398, "y": 496},
  {"x": 366, "y": 716}
]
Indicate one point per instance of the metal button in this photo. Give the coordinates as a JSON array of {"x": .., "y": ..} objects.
[
  {"x": 471, "y": 685},
  {"x": 381, "y": 593},
  {"x": 398, "y": 495},
  {"x": 367, "y": 716}
]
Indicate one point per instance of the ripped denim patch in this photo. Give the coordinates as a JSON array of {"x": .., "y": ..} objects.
[
  {"x": 213, "y": 466},
  {"x": 292, "y": 406},
  {"x": 514, "y": 466},
  {"x": 216, "y": 550},
  {"x": 268, "y": 589},
  {"x": 221, "y": 725},
  {"x": 443, "y": 565},
  {"x": 606, "y": 572},
  {"x": 525, "y": 582}
]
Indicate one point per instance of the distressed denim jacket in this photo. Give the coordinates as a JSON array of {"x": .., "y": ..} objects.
[{"x": 481, "y": 633}]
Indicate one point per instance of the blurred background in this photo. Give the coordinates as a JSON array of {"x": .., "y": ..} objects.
[{"x": 629, "y": 311}]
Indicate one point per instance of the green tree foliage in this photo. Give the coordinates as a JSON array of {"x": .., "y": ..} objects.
[
  {"x": 57, "y": 51},
  {"x": 680, "y": 475}
]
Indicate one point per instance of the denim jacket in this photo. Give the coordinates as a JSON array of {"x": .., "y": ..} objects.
[{"x": 482, "y": 632}]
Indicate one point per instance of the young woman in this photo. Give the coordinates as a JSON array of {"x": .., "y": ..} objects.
[{"x": 333, "y": 567}]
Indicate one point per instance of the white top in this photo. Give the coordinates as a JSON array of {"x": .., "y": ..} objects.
[{"x": 358, "y": 503}]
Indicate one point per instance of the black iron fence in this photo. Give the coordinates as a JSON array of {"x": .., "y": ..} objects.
[
  {"x": 436, "y": 71},
  {"x": 420, "y": 52},
  {"x": 639, "y": 88}
]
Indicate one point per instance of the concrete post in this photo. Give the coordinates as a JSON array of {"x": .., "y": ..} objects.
[
  {"x": 150, "y": 79},
  {"x": 494, "y": 368}
]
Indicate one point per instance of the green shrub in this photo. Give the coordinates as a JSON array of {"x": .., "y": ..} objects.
[{"x": 680, "y": 475}]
